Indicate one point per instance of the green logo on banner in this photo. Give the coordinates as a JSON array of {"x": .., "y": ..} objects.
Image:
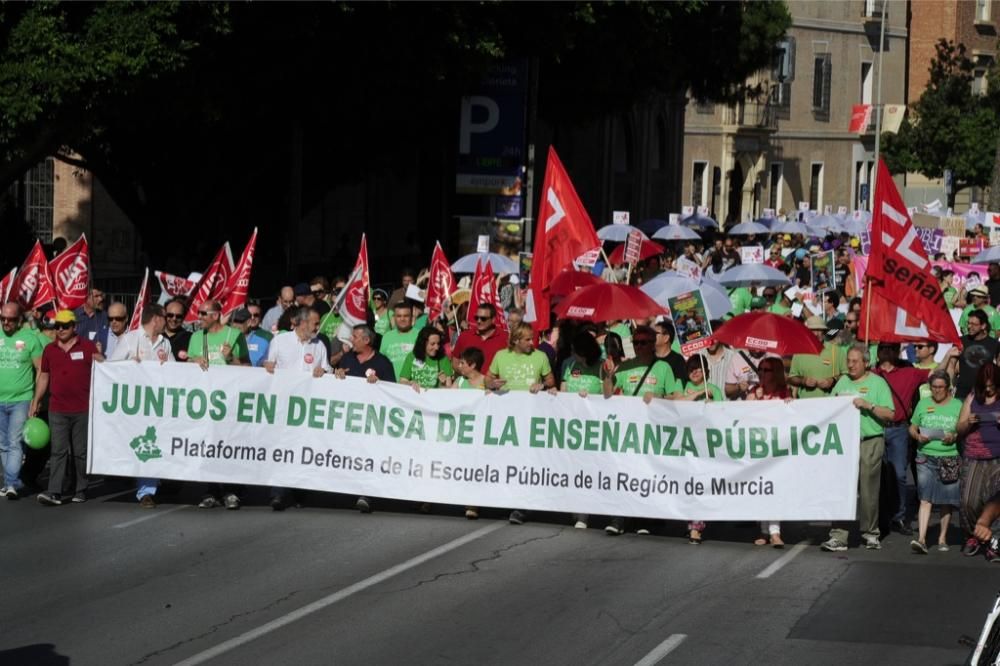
[{"x": 144, "y": 446}]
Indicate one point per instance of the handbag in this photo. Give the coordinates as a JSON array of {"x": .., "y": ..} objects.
[{"x": 948, "y": 468}]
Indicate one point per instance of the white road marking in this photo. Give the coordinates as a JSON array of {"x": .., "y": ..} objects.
[
  {"x": 340, "y": 595},
  {"x": 155, "y": 513},
  {"x": 105, "y": 498},
  {"x": 775, "y": 566},
  {"x": 662, "y": 650}
]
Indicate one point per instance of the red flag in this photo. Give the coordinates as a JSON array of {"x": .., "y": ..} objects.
[
  {"x": 440, "y": 284},
  {"x": 174, "y": 285},
  {"x": 564, "y": 232},
  {"x": 861, "y": 117},
  {"x": 352, "y": 304},
  {"x": 33, "y": 283},
  {"x": 140, "y": 303},
  {"x": 887, "y": 322},
  {"x": 239, "y": 282},
  {"x": 899, "y": 270},
  {"x": 484, "y": 290},
  {"x": 70, "y": 272},
  {"x": 213, "y": 283},
  {"x": 6, "y": 282}
]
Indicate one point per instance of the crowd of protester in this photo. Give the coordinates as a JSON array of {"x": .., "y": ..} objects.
[{"x": 924, "y": 410}]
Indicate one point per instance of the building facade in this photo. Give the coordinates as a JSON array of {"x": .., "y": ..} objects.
[{"x": 789, "y": 142}]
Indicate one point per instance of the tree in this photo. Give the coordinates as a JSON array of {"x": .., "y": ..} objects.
[{"x": 949, "y": 127}]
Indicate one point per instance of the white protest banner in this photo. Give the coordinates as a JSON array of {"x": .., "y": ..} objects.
[
  {"x": 752, "y": 254},
  {"x": 687, "y": 267},
  {"x": 619, "y": 217},
  {"x": 617, "y": 456}
]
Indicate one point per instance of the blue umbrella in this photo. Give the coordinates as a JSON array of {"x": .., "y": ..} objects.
[
  {"x": 988, "y": 256},
  {"x": 651, "y": 226},
  {"x": 498, "y": 262},
  {"x": 790, "y": 228},
  {"x": 853, "y": 227},
  {"x": 675, "y": 232},
  {"x": 700, "y": 221},
  {"x": 744, "y": 275},
  {"x": 618, "y": 232},
  {"x": 748, "y": 229},
  {"x": 768, "y": 222},
  {"x": 664, "y": 287}
]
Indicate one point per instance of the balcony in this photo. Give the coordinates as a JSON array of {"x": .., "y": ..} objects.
[{"x": 757, "y": 116}]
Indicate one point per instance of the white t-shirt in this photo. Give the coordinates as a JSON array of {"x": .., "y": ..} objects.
[
  {"x": 136, "y": 344},
  {"x": 288, "y": 352}
]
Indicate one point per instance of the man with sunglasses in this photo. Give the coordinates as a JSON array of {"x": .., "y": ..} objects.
[
  {"x": 117, "y": 323},
  {"x": 484, "y": 336},
  {"x": 319, "y": 288},
  {"x": 175, "y": 332},
  {"x": 20, "y": 360},
  {"x": 286, "y": 299},
  {"x": 64, "y": 372}
]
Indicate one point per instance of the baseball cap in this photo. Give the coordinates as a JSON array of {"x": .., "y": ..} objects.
[
  {"x": 302, "y": 289},
  {"x": 816, "y": 323},
  {"x": 65, "y": 317},
  {"x": 240, "y": 316}
]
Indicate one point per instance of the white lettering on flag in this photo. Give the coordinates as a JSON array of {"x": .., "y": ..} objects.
[{"x": 557, "y": 213}]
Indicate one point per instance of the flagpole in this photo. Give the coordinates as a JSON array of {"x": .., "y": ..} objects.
[{"x": 878, "y": 97}]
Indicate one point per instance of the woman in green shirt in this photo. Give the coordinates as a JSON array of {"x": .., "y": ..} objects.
[
  {"x": 582, "y": 372},
  {"x": 934, "y": 426},
  {"x": 427, "y": 366},
  {"x": 698, "y": 386}
]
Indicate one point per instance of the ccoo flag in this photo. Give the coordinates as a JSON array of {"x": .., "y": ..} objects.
[
  {"x": 213, "y": 283},
  {"x": 484, "y": 291},
  {"x": 900, "y": 274},
  {"x": 440, "y": 284},
  {"x": 564, "y": 232},
  {"x": 352, "y": 304},
  {"x": 33, "y": 283},
  {"x": 70, "y": 273},
  {"x": 140, "y": 303},
  {"x": 239, "y": 281}
]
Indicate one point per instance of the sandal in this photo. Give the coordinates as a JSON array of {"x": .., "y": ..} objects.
[
  {"x": 776, "y": 541},
  {"x": 760, "y": 541}
]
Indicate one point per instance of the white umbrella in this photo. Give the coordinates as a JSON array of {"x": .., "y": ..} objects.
[
  {"x": 988, "y": 256},
  {"x": 700, "y": 221},
  {"x": 664, "y": 287},
  {"x": 618, "y": 232},
  {"x": 853, "y": 227},
  {"x": 748, "y": 229},
  {"x": 498, "y": 262},
  {"x": 675, "y": 232},
  {"x": 744, "y": 275},
  {"x": 790, "y": 228}
]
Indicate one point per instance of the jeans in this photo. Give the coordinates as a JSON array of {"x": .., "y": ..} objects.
[
  {"x": 146, "y": 487},
  {"x": 897, "y": 453},
  {"x": 12, "y": 418}
]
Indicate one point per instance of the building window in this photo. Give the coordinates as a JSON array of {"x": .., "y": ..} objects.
[
  {"x": 39, "y": 199},
  {"x": 699, "y": 183},
  {"x": 822, "y": 75},
  {"x": 775, "y": 185},
  {"x": 979, "y": 83},
  {"x": 874, "y": 7},
  {"x": 983, "y": 10},
  {"x": 866, "y": 82},
  {"x": 782, "y": 74},
  {"x": 816, "y": 186}
]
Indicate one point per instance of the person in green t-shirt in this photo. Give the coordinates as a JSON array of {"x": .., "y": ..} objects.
[
  {"x": 934, "y": 426},
  {"x": 979, "y": 298},
  {"x": 873, "y": 398},
  {"x": 925, "y": 352},
  {"x": 383, "y": 321},
  {"x": 469, "y": 367},
  {"x": 400, "y": 340},
  {"x": 427, "y": 366},
  {"x": 644, "y": 376},
  {"x": 520, "y": 367},
  {"x": 20, "y": 361},
  {"x": 582, "y": 371},
  {"x": 814, "y": 375},
  {"x": 698, "y": 386},
  {"x": 215, "y": 344}
]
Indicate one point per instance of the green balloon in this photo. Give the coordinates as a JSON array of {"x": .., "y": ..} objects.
[{"x": 36, "y": 433}]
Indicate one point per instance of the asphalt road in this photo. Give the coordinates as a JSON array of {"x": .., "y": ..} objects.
[{"x": 108, "y": 583}]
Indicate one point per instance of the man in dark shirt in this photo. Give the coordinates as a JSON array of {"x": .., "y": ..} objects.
[
  {"x": 92, "y": 320},
  {"x": 364, "y": 361},
  {"x": 665, "y": 333},
  {"x": 993, "y": 284},
  {"x": 978, "y": 348},
  {"x": 174, "y": 331}
]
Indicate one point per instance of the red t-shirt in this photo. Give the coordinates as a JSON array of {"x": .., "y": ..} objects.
[
  {"x": 904, "y": 382},
  {"x": 490, "y": 346},
  {"x": 69, "y": 375}
]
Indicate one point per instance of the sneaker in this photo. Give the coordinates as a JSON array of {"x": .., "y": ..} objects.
[
  {"x": 918, "y": 547},
  {"x": 10, "y": 492},
  {"x": 517, "y": 517},
  {"x": 833, "y": 546},
  {"x": 48, "y": 499},
  {"x": 209, "y": 502},
  {"x": 616, "y": 528},
  {"x": 872, "y": 543},
  {"x": 472, "y": 513},
  {"x": 363, "y": 505},
  {"x": 971, "y": 547},
  {"x": 580, "y": 525},
  {"x": 642, "y": 531},
  {"x": 278, "y": 503},
  {"x": 79, "y": 498},
  {"x": 901, "y": 527},
  {"x": 232, "y": 502},
  {"x": 148, "y": 502},
  {"x": 943, "y": 548},
  {"x": 993, "y": 551}
]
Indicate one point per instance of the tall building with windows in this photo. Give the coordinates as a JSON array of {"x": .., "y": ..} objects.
[{"x": 788, "y": 141}]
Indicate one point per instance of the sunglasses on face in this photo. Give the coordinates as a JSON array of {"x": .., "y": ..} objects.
[
  {"x": 921, "y": 346},
  {"x": 116, "y": 318},
  {"x": 64, "y": 327},
  {"x": 479, "y": 318},
  {"x": 318, "y": 292},
  {"x": 205, "y": 313},
  {"x": 171, "y": 315},
  {"x": 10, "y": 320},
  {"x": 255, "y": 315}
]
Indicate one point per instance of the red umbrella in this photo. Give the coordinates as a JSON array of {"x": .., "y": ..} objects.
[
  {"x": 646, "y": 250},
  {"x": 607, "y": 302},
  {"x": 768, "y": 332},
  {"x": 569, "y": 281}
]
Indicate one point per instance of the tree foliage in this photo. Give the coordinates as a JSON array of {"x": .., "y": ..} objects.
[{"x": 949, "y": 127}]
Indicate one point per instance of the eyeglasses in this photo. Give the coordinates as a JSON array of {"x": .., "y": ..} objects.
[
  {"x": 64, "y": 326},
  {"x": 255, "y": 315},
  {"x": 921, "y": 347},
  {"x": 205, "y": 313},
  {"x": 116, "y": 318},
  {"x": 10, "y": 320},
  {"x": 171, "y": 315},
  {"x": 318, "y": 292},
  {"x": 850, "y": 321},
  {"x": 478, "y": 318}
]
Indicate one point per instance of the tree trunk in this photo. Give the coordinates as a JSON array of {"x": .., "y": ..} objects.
[{"x": 994, "y": 202}]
